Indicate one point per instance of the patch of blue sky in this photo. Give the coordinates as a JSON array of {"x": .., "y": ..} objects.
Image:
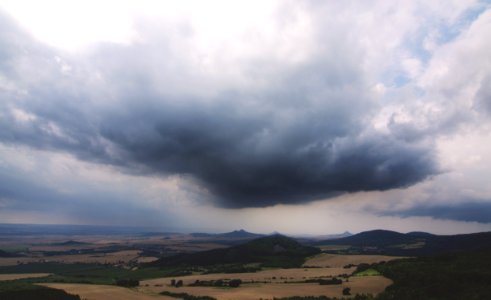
[
  {"x": 449, "y": 33},
  {"x": 443, "y": 32},
  {"x": 401, "y": 79},
  {"x": 395, "y": 78}
]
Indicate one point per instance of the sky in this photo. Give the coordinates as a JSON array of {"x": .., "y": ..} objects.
[{"x": 300, "y": 117}]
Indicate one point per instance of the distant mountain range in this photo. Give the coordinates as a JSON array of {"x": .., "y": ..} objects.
[
  {"x": 70, "y": 243},
  {"x": 324, "y": 237},
  {"x": 412, "y": 243},
  {"x": 337, "y": 236},
  {"x": 236, "y": 234},
  {"x": 282, "y": 251}
]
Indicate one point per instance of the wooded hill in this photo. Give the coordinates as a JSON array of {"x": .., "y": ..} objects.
[
  {"x": 271, "y": 251},
  {"x": 409, "y": 244}
]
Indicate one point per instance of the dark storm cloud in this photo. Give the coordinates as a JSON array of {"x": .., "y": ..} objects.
[
  {"x": 248, "y": 162},
  {"x": 466, "y": 211},
  {"x": 305, "y": 138}
]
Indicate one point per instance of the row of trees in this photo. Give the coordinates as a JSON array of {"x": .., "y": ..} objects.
[
  {"x": 175, "y": 283},
  {"x": 218, "y": 283},
  {"x": 330, "y": 281}
]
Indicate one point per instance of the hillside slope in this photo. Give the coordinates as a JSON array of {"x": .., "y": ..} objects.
[
  {"x": 413, "y": 243},
  {"x": 276, "y": 250}
]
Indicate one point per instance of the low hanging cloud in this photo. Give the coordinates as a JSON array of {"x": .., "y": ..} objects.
[
  {"x": 469, "y": 211},
  {"x": 249, "y": 164},
  {"x": 303, "y": 136}
]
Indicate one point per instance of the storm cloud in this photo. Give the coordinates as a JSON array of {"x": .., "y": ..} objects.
[
  {"x": 255, "y": 163},
  {"x": 469, "y": 211},
  {"x": 306, "y": 135}
]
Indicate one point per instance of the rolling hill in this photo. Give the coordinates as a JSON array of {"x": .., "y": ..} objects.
[
  {"x": 236, "y": 234},
  {"x": 276, "y": 250},
  {"x": 413, "y": 243}
]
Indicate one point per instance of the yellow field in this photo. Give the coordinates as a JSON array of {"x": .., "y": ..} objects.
[
  {"x": 104, "y": 292},
  {"x": 338, "y": 261},
  {"x": 273, "y": 276},
  {"x": 22, "y": 276},
  {"x": 146, "y": 259},
  {"x": 265, "y": 284},
  {"x": 268, "y": 284},
  {"x": 369, "y": 284}
]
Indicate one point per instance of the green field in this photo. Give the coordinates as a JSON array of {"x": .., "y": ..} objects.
[
  {"x": 368, "y": 272},
  {"x": 21, "y": 290}
]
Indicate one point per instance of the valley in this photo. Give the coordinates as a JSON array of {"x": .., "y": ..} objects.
[{"x": 234, "y": 265}]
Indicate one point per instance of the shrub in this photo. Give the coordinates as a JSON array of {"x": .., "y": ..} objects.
[
  {"x": 128, "y": 282},
  {"x": 234, "y": 283},
  {"x": 346, "y": 291}
]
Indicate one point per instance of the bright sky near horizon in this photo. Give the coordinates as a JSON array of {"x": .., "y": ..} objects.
[{"x": 303, "y": 117}]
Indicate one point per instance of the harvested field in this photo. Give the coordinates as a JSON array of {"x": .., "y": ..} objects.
[
  {"x": 273, "y": 276},
  {"x": 373, "y": 285},
  {"x": 272, "y": 283},
  {"x": 265, "y": 284},
  {"x": 334, "y": 247},
  {"x": 150, "y": 289},
  {"x": 4, "y": 277},
  {"x": 339, "y": 260},
  {"x": 368, "y": 284},
  {"x": 104, "y": 292},
  {"x": 146, "y": 259},
  {"x": 264, "y": 291}
]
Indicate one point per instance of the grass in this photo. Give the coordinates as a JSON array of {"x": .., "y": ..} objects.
[
  {"x": 14, "y": 249},
  {"x": 368, "y": 272},
  {"x": 20, "y": 290}
]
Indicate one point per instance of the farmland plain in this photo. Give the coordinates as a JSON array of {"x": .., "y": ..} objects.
[{"x": 145, "y": 265}]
